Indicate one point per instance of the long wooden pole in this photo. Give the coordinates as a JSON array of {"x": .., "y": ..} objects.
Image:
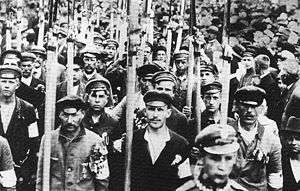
[
  {"x": 40, "y": 41},
  {"x": 49, "y": 109},
  {"x": 8, "y": 35},
  {"x": 226, "y": 67},
  {"x": 180, "y": 30},
  {"x": 190, "y": 74},
  {"x": 19, "y": 16},
  {"x": 133, "y": 42}
]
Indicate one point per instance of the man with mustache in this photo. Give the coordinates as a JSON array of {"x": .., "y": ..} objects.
[
  {"x": 78, "y": 155},
  {"x": 258, "y": 164},
  {"x": 291, "y": 154},
  {"x": 159, "y": 155}
]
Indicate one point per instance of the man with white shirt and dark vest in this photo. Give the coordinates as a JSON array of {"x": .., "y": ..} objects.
[
  {"x": 159, "y": 155},
  {"x": 258, "y": 164},
  {"x": 291, "y": 154},
  {"x": 19, "y": 126}
]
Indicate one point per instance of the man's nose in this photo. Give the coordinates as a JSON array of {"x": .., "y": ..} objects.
[
  {"x": 69, "y": 119},
  {"x": 222, "y": 165}
]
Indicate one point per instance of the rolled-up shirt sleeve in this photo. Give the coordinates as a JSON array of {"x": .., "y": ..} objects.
[{"x": 274, "y": 168}]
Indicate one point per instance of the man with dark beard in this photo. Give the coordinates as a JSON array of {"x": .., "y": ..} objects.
[{"x": 291, "y": 155}]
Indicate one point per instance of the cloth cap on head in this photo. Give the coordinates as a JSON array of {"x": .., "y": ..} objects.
[
  {"x": 158, "y": 48},
  {"x": 286, "y": 55},
  {"x": 111, "y": 41},
  {"x": 164, "y": 76},
  {"x": 99, "y": 83},
  {"x": 212, "y": 88},
  {"x": 90, "y": 49},
  {"x": 293, "y": 125},
  {"x": 181, "y": 54},
  {"x": 39, "y": 50},
  {"x": 250, "y": 95},
  {"x": 210, "y": 68},
  {"x": 28, "y": 56},
  {"x": 262, "y": 61},
  {"x": 250, "y": 51},
  {"x": 213, "y": 29},
  {"x": 70, "y": 101},
  {"x": 11, "y": 54},
  {"x": 10, "y": 72},
  {"x": 147, "y": 70},
  {"x": 154, "y": 95},
  {"x": 217, "y": 139}
]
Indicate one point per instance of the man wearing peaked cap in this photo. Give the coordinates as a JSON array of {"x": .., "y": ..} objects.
[
  {"x": 38, "y": 70},
  {"x": 259, "y": 158},
  {"x": 18, "y": 126},
  {"x": 216, "y": 149},
  {"x": 111, "y": 48},
  {"x": 209, "y": 73},
  {"x": 166, "y": 161},
  {"x": 290, "y": 154},
  {"x": 11, "y": 57},
  {"x": 87, "y": 170}
]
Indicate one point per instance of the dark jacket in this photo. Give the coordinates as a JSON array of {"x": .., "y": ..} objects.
[
  {"x": 23, "y": 147},
  {"x": 161, "y": 175},
  {"x": 31, "y": 95},
  {"x": 289, "y": 182}
]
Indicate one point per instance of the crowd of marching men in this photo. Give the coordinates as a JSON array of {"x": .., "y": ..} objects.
[{"x": 176, "y": 145}]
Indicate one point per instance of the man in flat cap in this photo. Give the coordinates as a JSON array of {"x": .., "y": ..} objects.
[
  {"x": 78, "y": 87},
  {"x": 144, "y": 74},
  {"x": 78, "y": 155},
  {"x": 39, "y": 67},
  {"x": 209, "y": 73},
  {"x": 216, "y": 150},
  {"x": 19, "y": 127},
  {"x": 259, "y": 158},
  {"x": 291, "y": 154},
  {"x": 166, "y": 82},
  {"x": 89, "y": 55},
  {"x": 111, "y": 47},
  {"x": 26, "y": 66},
  {"x": 159, "y": 155},
  {"x": 11, "y": 57},
  {"x": 247, "y": 66}
]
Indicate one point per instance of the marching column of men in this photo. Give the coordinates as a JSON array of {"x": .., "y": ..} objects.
[{"x": 257, "y": 150}]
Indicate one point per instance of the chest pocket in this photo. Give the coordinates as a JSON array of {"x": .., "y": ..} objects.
[{"x": 56, "y": 167}]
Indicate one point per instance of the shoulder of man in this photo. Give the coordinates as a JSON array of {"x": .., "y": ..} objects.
[
  {"x": 188, "y": 186},
  {"x": 236, "y": 186}
]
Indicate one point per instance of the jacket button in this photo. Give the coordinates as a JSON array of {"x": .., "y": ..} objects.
[{"x": 69, "y": 183}]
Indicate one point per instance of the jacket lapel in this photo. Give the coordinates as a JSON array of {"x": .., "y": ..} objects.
[{"x": 14, "y": 116}]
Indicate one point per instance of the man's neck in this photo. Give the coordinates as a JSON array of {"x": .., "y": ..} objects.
[
  {"x": 7, "y": 100},
  {"x": 214, "y": 114},
  {"x": 157, "y": 132}
]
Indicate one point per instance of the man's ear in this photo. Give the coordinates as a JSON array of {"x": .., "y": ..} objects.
[{"x": 169, "y": 112}]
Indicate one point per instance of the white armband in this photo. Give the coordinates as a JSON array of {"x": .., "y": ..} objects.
[
  {"x": 8, "y": 178},
  {"x": 184, "y": 169},
  {"x": 33, "y": 130},
  {"x": 275, "y": 180}
]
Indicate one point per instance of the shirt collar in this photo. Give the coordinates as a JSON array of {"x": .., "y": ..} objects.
[
  {"x": 260, "y": 129},
  {"x": 63, "y": 138},
  {"x": 26, "y": 81}
]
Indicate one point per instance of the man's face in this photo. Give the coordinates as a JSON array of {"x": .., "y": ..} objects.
[
  {"x": 247, "y": 113},
  {"x": 36, "y": 69},
  {"x": 145, "y": 84},
  {"x": 167, "y": 87},
  {"x": 39, "y": 58},
  {"x": 111, "y": 51},
  {"x": 285, "y": 77},
  {"x": 212, "y": 101},
  {"x": 26, "y": 68},
  {"x": 161, "y": 55},
  {"x": 218, "y": 167},
  {"x": 89, "y": 64},
  {"x": 147, "y": 52},
  {"x": 157, "y": 113},
  {"x": 181, "y": 65},
  {"x": 77, "y": 73},
  {"x": 207, "y": 77},
  {"x": 162, "y": 42},
  {"x": 248, "y": 62},
  {"x": 293, "y": 142},
  {"x": 11, "y": 61},
  {"x": 70, "y": 119},
  {"x": 8, "y": 86},
  {"x": 98, "y": 100}
]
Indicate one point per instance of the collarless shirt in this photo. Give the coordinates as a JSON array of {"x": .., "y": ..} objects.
[
  {"x": 26, "y": 81},
  {"x": 156, "y": 143},
  {"x": 295, "y": 165},
  {"x": 248, "y": 136}
]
